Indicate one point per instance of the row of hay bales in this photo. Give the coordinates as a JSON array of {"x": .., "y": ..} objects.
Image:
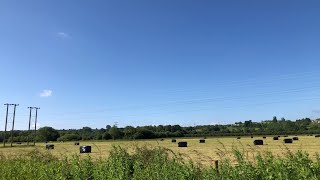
[
  {"x": 83, "y": 149},
  {"x": 317, "y": 135},
  {"x": 264, "y": 137},
  {"x": 286, "y": 140},
  {"x": 277, "y": 138},
  {"x": 255, "y": 142},
  {"x": 185, "y": 143}
]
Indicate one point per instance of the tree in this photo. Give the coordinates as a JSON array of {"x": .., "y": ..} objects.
[
  {"x": 69, "y": 137},
  {"x": 86, "y": 133},
  {"x": 143, "y": 133},
  {"x": 108, "y": 127},
  {"x": 129, "y": 131},
  {"x": 248, "y": 123},
  {"x": 274, "y": 120},
  {"x": 98, "y": 135},
  {"x": 106, "y": 136},
  {"x": 114, "y": 132},
  {"x": 47, "y": 134}
]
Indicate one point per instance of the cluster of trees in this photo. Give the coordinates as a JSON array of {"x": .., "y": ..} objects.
[{"x": 274, "y": 126}]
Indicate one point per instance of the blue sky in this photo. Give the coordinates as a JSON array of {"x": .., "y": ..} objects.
[{"x": 159, "y": 62}]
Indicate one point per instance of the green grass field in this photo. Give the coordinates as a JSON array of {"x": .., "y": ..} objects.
[
  {"x": 213, "y": 149},
  {"x": 238, "y": 159}
]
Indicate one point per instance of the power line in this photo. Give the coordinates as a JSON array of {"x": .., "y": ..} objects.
[
  {"x": 255, "y": 81},
  {"x": 193, "y": 101},
  {"x": 206, "y": 100},
  {"x": 227, "y": 107}
]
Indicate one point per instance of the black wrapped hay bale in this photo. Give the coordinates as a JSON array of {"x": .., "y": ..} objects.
[
  {"x": 295, "y": 138},
  {"x": 76, "y": 143},
  {"x": 85, "y": 149},
  {"x": 202, "y": 141},
  {"x": 287, "y": 140},
  {"x": 173, "y": 140},
  {"x": 49, "y": 146},
  {"x": 276, "y": 138},
  {"x": 317, "y": 135},
  {"x": 204, "y": 137},
  {"x": 183, "y": 144},
  {"x": 238, "y": 137},
  {"x": 161, "y": 139},
  {"x": 258, "y": 142},
  {"x": 251, "y": 136},
  {"x": 285, "y": 136},
  {"x": 264, "y": 137}
]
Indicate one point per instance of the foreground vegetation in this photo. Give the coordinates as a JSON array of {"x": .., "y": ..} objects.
[{"x": 157, "y": 163}]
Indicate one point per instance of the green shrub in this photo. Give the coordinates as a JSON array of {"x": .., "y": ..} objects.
[{"x": 69, "y": 137}]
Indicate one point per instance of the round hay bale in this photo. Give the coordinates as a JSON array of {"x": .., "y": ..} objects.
[
  {"x": 49, "y": 146},
  {"x": 202, "y": 141},
  {"x": 85, "y": 149},
  {"x": 258, "y": 142},
  {"x": 183, "y": 144},
  {"x": 295, "y": 138},
  {"x": 173, "y": 140},
  {"x": 238, "y": 137},
  {"x": 76, "y": 143},
  {"x": 276, "y": 138},
  {"x": 264, "y": 137},
  {"x": 288, "y": 140}
]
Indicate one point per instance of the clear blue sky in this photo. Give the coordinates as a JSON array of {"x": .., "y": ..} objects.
[{"x": 159, "y": 62}]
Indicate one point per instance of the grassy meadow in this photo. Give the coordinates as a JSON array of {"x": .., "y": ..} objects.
[
  {"x": 215, "y": 148},
  {"x": 155, "y": 159}
]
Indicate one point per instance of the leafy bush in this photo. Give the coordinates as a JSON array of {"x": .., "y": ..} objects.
[{"x": 69, "y": 137}]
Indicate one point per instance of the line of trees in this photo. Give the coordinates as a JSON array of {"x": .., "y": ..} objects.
[{"x": 268, "y": 127}]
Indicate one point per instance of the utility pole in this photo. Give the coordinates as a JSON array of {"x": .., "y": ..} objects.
[
  {"x": 5, "y": 127},
  {"x": 29, "y": 125},
  {"x": 14, "y": 116},
  {"x": 35, "y": 126}
]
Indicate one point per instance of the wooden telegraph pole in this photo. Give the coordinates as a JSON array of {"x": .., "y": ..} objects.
[
  {"x": 35, "y": 126},
  {"x": 29, "y": 125},
  {"x": 5, "y": 126},
  {"x": 14, "y": 116}
]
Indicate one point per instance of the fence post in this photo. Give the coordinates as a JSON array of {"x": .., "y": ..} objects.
[{"x": 216, "y": 163}]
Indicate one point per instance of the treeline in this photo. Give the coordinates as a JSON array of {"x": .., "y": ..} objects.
[{"x": 268, "y": 127}]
